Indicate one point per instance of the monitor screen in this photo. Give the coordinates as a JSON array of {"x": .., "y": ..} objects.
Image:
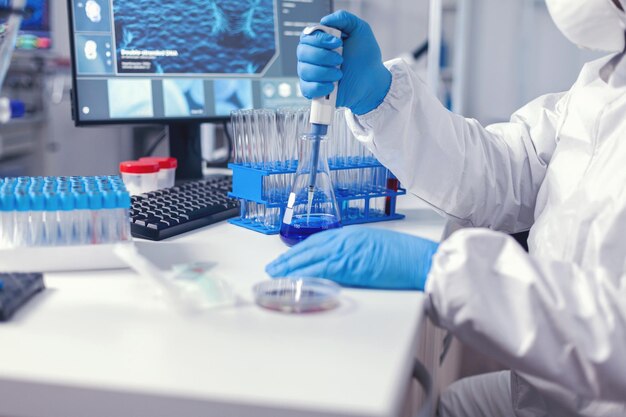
[
  {"x": 167, "y": 61},
  {"x": 35, "y": 29}
]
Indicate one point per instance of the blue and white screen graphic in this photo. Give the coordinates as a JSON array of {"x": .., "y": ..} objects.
[
  {"x": 195, "y": 36},
  {"x": 232, "y": 95},
  {"x": 173, "y": 61},
  {"x": 92, "y": 15},
  {"x": 130, "y": 98},
  {"x": 183, "y": 97}
]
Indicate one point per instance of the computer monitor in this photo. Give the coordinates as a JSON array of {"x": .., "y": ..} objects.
[
  {"x": 185, "y": 61},
  {"x": 34, "y": 34}
]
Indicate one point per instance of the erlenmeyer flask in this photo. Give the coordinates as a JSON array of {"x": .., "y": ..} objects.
[{"x": 312, "y": 207}]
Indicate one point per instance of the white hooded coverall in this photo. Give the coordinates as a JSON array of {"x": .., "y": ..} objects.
[{"x": 556, "y": 316}]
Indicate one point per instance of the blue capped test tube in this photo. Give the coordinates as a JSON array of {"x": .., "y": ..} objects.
[
  {"x": 1, "y": 187},
  {"x": 7, "y": 217},
  {"x": 66, "y": 218},
  {"x": 96, "y": 222},
  {"x": 122, "y": 216},
  {"x": 109, "y": 223},
  {"x": 21, "y": 229},
  {"x": 83, "y": 217},
  {"x": 37, "y": 210},
  {"x": 51, "y": 219}
]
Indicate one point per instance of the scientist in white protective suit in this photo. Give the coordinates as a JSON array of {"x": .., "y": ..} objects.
[{"x": 555, "y": 316}]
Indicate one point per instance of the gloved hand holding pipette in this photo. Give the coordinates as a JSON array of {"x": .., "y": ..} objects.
[
  {"x": 363, "y": 79},
  {"x": 360, "y": 257}
]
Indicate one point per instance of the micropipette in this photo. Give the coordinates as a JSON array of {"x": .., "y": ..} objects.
[{"x": 322, "y": 114}]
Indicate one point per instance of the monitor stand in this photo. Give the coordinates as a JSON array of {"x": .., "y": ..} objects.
[{"x": 186, "y": 147}]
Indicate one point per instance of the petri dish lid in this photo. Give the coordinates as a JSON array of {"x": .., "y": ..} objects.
[{"x": 297, "y": 295}]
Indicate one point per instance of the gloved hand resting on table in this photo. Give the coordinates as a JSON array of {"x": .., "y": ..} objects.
[
  {"x": 364, "y": 79},
  {"x": 360, "y": 257}
]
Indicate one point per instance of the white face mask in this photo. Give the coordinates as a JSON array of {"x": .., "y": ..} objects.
[{"x": 593, "y": 24}]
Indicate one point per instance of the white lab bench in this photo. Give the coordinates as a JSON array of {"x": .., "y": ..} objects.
[{"x": 104, "y": 344}]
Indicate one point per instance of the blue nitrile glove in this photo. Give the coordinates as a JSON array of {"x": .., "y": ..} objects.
[
  {"x": 365, "y": 81},
  {"x": 360, "y": 257}
]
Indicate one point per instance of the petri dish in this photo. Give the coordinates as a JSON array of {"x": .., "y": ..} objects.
[{"x": 297, "y": 295}]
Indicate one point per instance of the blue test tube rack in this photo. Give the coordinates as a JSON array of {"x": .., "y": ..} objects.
[{"x": 249, "y": 185}]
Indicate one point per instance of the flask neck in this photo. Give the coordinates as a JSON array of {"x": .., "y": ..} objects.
[{"x": 313, "y": 150}]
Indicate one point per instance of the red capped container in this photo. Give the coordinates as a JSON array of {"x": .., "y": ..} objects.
[
  {"x": 140, "y": 176},
  {"x": 167, "y": 174}
]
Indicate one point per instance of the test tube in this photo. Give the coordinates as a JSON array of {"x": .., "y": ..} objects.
[
  {"x": 377, "y": 207},
  {"x": 252, "y": 211},
  {"x": 2, "y": 185},
  {"x": 110, "y": 231},
  {"x": 240, "y": 151},
  {"x": 243, "y": 209},
  {"x": 51, "y": 222},
  {"x": 291, "y": 137},
  {"x": 66, "y": 218},
  {"x": 96, "y": 221},
  {"x": 246, "y": 151},
  {"x": 248, "y": 117},
  {"x": 280, "y": 131},
  {"x": 37, "y": 205},
  {"x": 235, "y": 135},
  {"x": 122, "y": 217},
  {"x": 8, "y": 217},
  {"x": 248, "y": 123},
  {"x": 82, "y": 217},
  {"x": 21, "y": 230},
  {"x": 239, "y": 137}
]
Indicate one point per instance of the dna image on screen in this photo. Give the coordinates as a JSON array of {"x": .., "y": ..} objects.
[{"x": 204, "y": 37}]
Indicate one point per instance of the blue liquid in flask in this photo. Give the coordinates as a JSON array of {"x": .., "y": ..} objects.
[{"x": 303, "y": 226}]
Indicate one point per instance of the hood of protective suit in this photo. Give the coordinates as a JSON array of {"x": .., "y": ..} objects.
[{"x": 598, "y": 25}]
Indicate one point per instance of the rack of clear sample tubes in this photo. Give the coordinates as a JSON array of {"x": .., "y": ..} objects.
[
  {"x": 265, "y": 160},
  {"x": 63, "y": 211}
]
